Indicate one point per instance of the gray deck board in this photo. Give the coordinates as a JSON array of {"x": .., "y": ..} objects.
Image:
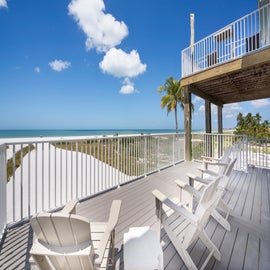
[{"x": 246, "y": 246}]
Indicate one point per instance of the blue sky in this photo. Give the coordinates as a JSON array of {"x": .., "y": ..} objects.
[{"x": 90, "y": 64}]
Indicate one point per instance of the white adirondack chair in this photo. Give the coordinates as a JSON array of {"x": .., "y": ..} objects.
[
  {"x": 188, "y": 193},
  {"x": 220, "y": 169},
  {"x": 64, "y": 240},
  {"x": 212, "y": 160},
  {"x": 219, "y": 163},
  {"x": 183, "y": 227}
]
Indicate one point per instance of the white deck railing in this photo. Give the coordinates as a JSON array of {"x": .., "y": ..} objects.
[
  {"x": 249, "y": 152},
  {"x": 43, "y": 175},
  {"x": 243, "y": 36}
]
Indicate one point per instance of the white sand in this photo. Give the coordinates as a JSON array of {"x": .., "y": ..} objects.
[{"x": 49, "y": 177}]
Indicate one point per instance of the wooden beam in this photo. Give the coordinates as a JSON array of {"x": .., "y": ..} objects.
[{"x": 196, "y": 91}]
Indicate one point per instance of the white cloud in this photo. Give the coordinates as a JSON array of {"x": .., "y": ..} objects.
[
  {"x": 259, "y": 103},
  {"x": 231, "y": 110},
  {"x": 128, "y": 87},
  {"x": 213, "y": 109},
  {"x": 37, "y": 69},
  {"x": 59, "y": 65},
  {"x": 229, "y": 116},
  {"x": 232, "y": 107},
  {"x": 197, "y": 99},
  {"x": 121, "y": 64},
  {"x": 102, "y": 30},
  {"x": 202, "y": 108},
  {"x": 3, "y": 4}
]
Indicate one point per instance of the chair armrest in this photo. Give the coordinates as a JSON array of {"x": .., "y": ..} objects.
[
  {"x": 180, "y": 183},
  {"x": 208, "y": 172},
  {"x": 198, "y": 179},
  {"x": 70, "y": 207},
  {"x": 192, "y": 191},
  {"x": 113, "y": 219},
  {"x": 186, "y": 194},
  {"x": 210, "y": 158},
  {"x": 191, "y": 178},
  {"x": 188, "y": 188},
  {"x": 215, "y": 163},
  {"x": 179, "y": 209}
]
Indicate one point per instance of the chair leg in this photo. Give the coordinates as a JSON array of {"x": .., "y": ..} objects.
[
  {"x": 112, "y": 248},
  {"x": 210, "y": 245},
  {"x": 187, "y": 259},
  {"x": 41, "y": 262},
  {"x": 224, "y": 207},
  {"x": 221, "y": 220},
  {"x": 182, "y": 252}
]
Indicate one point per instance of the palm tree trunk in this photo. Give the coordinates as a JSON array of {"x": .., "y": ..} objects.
[{"x": 176, "y": 120}]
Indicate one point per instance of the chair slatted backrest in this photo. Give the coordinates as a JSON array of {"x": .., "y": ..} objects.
[
  {"x": 203, "y": 211},
  {"x": 60, "y": 229},
  {"x": 230, "y": 167},
  {"x": 227, "y": 152},
  {"x": 222, "y": 168},
  {"x": 67, "y": 233},
  {"x": 207, "y": 202}
]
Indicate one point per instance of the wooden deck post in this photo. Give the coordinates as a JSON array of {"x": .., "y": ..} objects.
[
  {"x": 220, "y": 123},
  {"x": 187, "y": 123},
  {"x": 208, "y": 127},
  {"x": 220, "y": 131}
]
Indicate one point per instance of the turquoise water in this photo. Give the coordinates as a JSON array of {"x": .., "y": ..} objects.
[{"x": 32, "y": 133}]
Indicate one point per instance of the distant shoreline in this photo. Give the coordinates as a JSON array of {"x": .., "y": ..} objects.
[
  {"x": 27, "y": 135},
  {"x": 39, "y": 133}
]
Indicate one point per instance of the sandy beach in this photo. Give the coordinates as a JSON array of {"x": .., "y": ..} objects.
[{"x": 49, "y": 177}]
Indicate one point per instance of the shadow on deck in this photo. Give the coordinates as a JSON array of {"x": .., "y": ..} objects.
[{"x": 246, "y": 246}]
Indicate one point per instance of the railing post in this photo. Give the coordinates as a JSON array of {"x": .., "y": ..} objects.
[
  {"x": 145, "y": 155},
  {"x": 173, "y": 147},
  {"x": 158, "y": 165},
  {"x": 246, "y": 161},
  {"x": 3, "y": 189}
]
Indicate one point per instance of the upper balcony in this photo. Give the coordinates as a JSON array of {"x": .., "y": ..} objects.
[{"x": 232, "y": 64}]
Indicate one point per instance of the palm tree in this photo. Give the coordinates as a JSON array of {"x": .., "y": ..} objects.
[
  {"x": 252, "y": 126},
  {"x": 174, "y": 95}
]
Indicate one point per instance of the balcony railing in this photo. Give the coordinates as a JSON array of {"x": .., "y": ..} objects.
[
  {"x": 249, "y": 152},
  {"x": 43, "y": 175},
  {"x": 244, "y": 36}
]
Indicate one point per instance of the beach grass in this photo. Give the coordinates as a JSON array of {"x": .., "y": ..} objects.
[
  {"x": 125, "y": 154},
  {"x": 13, "y": 165}
]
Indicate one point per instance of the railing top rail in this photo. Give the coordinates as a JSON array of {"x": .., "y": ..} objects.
[
  {"x": 79, "y": 138},
  {"x": 225, "y": 28}
]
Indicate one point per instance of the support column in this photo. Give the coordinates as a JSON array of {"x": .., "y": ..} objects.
[
  {"x": 208, "y": 128},
  {"x": 220, "y": 131},
  {"x": 187, "y": 123},
  {"x": 220, "y": 123}
]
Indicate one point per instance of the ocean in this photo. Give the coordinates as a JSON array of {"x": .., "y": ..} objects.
[{"x": 34, "y": 133}]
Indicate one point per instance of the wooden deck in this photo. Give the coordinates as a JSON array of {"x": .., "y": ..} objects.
[{"x": 246, "y": 246}]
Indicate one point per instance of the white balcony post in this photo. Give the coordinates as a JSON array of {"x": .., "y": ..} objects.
[{"x": 3, "y": 189}]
